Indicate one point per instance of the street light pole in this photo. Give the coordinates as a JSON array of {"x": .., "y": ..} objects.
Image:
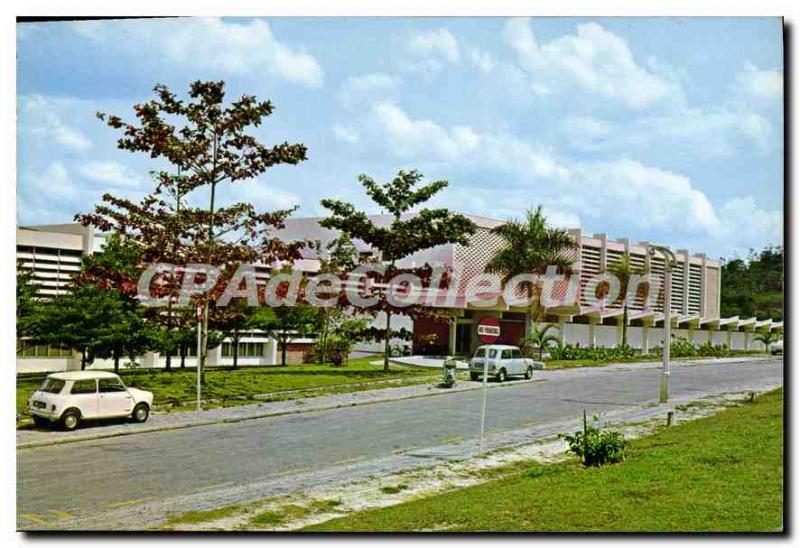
[{"x": 669, "y": 261}]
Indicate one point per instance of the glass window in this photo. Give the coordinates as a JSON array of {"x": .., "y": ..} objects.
[
  {"x": 111, "y": 385},
  {"x": 87, "y": 386},
  {"x": 52, "y": 386},
  {"x": 516, "y": 354},
  {"x": 481, "y": 352},
  {"x": 506, "y": 355}
]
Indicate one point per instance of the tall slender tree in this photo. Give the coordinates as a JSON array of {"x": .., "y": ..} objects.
[
  {"x": 405, "y": 235},
  {"x": 624, "y": 270},
  {"x": 529, "y": 247},
  {"x": 209, "y": 144}
]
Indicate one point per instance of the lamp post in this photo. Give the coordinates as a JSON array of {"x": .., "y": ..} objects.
[{"x": 669, "y": 262}]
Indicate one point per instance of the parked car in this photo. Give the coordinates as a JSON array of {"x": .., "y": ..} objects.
[
  {"x": 68, "y": 398},
  {"x": 776, "y": 348},
  {"x": 504, "y": 361}
]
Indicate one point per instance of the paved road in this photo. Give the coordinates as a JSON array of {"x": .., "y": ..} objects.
[{"x": 82, "y": 479}]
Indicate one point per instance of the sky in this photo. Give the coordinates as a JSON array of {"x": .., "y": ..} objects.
[{"x": 668, "y": 130}]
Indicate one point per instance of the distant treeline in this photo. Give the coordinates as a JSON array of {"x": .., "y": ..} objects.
[{"x": 754, "y": 286}]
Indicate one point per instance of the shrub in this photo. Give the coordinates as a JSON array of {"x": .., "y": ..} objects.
[
  {"x": 684, "y": 348},
  {"x": 574, "y": 352},
  {"x": 595, "y": 446}
]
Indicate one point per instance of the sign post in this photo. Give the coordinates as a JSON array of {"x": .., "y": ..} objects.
[
  {"x": 488, "y": 332},
  {"x": 199, "y": 344}
]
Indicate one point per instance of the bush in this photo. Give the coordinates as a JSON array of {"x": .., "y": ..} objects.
[
  {"x": 683, "y": 348},
  {"x": 595, "y": 446},
  {"x": 573, "y": 352}
]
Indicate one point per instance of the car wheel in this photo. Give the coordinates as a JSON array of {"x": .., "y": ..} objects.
[
  {"x": 140, "y": 412},
  {"x": 40, "y": 422},
  {"x": 70, "y": 419},
  {"x": 529, "y": 373},
  {"x": 501, "y": 375}
]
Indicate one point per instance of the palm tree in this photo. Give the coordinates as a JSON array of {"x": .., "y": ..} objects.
[
  {"x": 624, "y": 271},
  {"x": 529, "y": 247},
  {"x": 767, "y": 337},
  {"x": 540, "y": 337}
]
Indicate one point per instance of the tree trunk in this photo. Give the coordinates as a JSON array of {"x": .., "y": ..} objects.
[
  {"x": 625, "y": 325},
  {"x": 116, "y": 360},
  {"x": 83, "y": 359},
  {"x": 182, "y": 350},
  {"x": 235, "y": 341},
  {"x": 387, "y": 334},
  {"x": 168, "y": 362},
  {"x": 283, "y": 343},
  {"x": 324, "y": 336}
]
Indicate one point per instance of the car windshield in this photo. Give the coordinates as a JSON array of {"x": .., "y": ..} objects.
[
  {"x": 52, "y": 386},
  {"x": 481, "y": 353}
]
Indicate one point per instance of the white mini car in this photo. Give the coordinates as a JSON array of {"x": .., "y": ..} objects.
[
  {"x": 776, "y": 348},
  {"x": 67, "y": 398},
  {"x": 504, "y": 361}
]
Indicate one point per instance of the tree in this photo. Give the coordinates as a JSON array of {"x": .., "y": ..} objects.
[
  {"x": 403, "y": 236},
  {"x": 529, "y": 247},
  {"x": 754, "y": 286},
  {"x": 345, "y": 331},
  {"x": 341, "y": 257},
  {"x": 540, "y": 338},
  {"x": 284, "y": 323},
  {"x": 208, "y": 144},
  {"x": 624, "y": 270},
  {"x": 767, "y": 338},
  {"x": 232, "y": 322},
  {"x": 27, "y": 305}
]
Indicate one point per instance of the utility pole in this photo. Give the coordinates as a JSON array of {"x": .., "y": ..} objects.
[{"x": 199, "y": 349}]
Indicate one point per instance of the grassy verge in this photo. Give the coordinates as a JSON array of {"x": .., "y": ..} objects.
[
  {"x": 722, "y": 473},
  {"x": 564, "y": 364},
  {"x": 239, "y": 386}
]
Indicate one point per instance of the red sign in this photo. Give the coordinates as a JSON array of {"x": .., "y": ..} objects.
[{"x": 488, "y": 329}]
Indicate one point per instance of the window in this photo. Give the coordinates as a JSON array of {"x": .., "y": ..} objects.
[
  {"x": 52, "y": 386},
  {"x": 87, "y": 386},
  {"x": 481, "y": 352},
  {"x": 506, "y": 355},
  {"x": 31, "y": 349},
  {"x": 516, "y": 354},
  {"x": 111, "y": 385},
  {"x": 246, "y": 350}
]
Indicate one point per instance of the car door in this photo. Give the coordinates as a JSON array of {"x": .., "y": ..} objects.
[
  {"x": 114, "y": 400},
  {"x": 519, "y": 362},
  {"x": 506, "y": 362},
  {"x": 83, "y": 395}
]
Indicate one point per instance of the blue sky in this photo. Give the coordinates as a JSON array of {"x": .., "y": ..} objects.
[{"x": 668, "y": 130}]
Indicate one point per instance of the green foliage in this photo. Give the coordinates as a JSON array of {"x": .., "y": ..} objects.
[
  {"x": 684, "y": 348},
  {"x": 598, "y": 353},
  {"x": 594, "y": 445},
  {"x": 540, "y": 337},
  {"x": 285, "y": 323},
  {"x": 767, "y": 338},
  {"x": 529, "y": 247},
  {"x": 754, "y": 286}
]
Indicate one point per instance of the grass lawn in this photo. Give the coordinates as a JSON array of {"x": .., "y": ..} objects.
[
  {"x": 722, "y": 473},
  {"x": 238, "y": 386}
]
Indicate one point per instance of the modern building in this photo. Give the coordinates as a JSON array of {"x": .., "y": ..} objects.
[
  {"x": 694, "y": 304},
  {"x": 53, "y": 253}
]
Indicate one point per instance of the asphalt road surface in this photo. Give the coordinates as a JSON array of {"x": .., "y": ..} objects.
[{"x": 86, "y": 478}]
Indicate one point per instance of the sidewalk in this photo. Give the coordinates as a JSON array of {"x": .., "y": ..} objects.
[{"x": 173, "y": 421}]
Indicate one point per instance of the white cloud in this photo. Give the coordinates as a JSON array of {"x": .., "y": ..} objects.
[
  {"x": 40, "y": 118},
  {"x": 760, "y": 83},
  {"x": 414, "y": 138},
  {"x": 264, "y": 196},
  {"x": 482, "y": 60},
  {"x": 357, "y": 90},
  {"x": 439, "y": 43},
  {"x": 208, "y": 44},
  {"x": 745, "y": 225},
  {"x": 110, "y": 173},
  {"x": 53, "y": 184},
  {"x": 345, "y": 133},
  {"x": 594, "y": 60}
]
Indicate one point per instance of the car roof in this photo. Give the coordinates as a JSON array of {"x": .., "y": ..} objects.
[
  {"x": 499, "y": 346},
  {"x": 82, "y": 375}
]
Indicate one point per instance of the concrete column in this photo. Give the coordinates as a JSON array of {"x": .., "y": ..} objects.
[
  {"x": 592, "y": 337},
  {"x": 452, "y": 336},
  {"x": 214, "y": 356},
  {"x": 149, "y": 359},
  {"x": 730, "y": 338},
  {"x": 685, "y": 288},
  {"x": 710, "y": 336},
  {"x": 747, "y": 340},
  {"x": 603, "y": 250},
  {"x": 619, "y": 331},
  {"x": 702, "y": 284},
  {"x": 272, "y": 353},
  {"x": 645, "y": 338},
  {"x": 562, "y": 328}
]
